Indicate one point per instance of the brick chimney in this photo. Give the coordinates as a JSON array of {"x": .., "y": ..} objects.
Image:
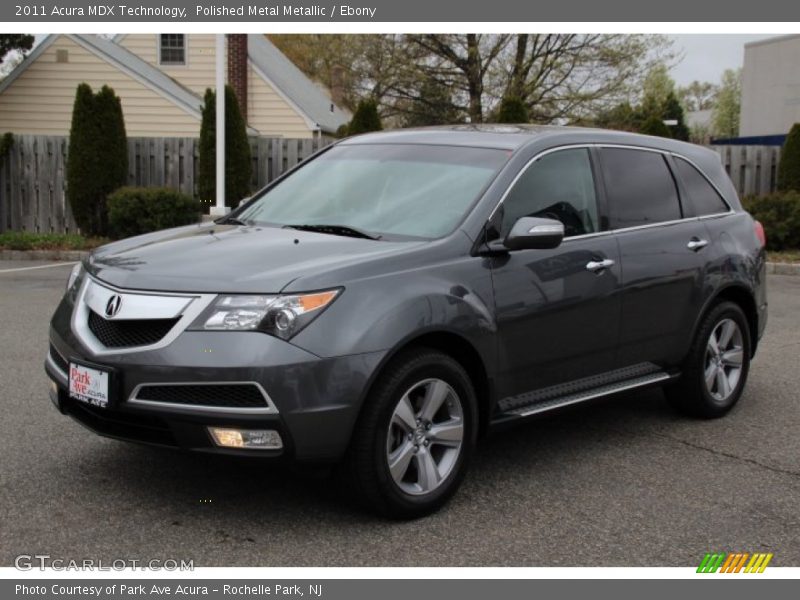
[
  {"x": 237, "y": 68},
  {"x": 337, "y": 84}
]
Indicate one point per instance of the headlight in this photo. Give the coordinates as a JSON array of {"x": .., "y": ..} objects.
[
  {"x": 74, "y": 281},
  {"x": 238, "y": 313},
  {"x": 73, "y": 275},
  {"x": 281, "y": 316}
]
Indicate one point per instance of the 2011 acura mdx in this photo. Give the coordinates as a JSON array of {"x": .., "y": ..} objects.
[{"x": 399, "y": 294}]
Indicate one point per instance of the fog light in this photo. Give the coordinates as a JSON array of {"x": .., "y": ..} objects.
[
  {"x": 53, "y": 394},
  {"x": 259, "y": 439}
]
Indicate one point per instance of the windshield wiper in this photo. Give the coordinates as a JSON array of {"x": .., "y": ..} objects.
[
  {"x": 335, "y": 230},
  {"x": 230, "y": 221}
]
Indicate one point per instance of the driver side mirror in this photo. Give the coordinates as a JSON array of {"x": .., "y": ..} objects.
[{"x": 531, "y": 233}]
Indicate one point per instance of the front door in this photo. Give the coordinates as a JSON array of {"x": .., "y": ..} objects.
[{"x": 557, "y": 310}]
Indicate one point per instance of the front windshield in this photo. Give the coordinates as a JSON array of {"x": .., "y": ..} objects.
[{"x": 385, "y": 190}]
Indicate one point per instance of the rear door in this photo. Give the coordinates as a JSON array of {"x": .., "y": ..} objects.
[
  {"x": 557, "y": 310},
  {"x": 662, "y": 250}
]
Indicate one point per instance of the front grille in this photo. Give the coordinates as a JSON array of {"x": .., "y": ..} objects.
[
  {"x": 59, "y": 360},
  {"x": 129, "y": 333},
  {"x": 235, "y": 395}
]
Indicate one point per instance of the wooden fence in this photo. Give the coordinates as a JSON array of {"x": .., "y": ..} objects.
[
  {"x": 752, "y": 169},
  {"x": 33, "y": 174}
]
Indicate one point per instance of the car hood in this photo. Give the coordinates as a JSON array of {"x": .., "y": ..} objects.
[{"x": 228, "y": 258}]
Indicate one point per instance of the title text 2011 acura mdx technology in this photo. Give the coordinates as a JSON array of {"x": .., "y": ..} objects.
[{"x": 400, "y": 294}]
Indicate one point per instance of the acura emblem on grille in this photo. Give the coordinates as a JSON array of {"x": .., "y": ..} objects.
[{"x": 113, "y": 305}]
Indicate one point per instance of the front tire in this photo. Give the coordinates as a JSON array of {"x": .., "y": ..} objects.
[
  {"x": 414, "y": 438},
  {"x": 716, "y": 369}
]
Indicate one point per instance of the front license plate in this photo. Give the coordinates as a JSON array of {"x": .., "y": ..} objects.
[{"x": 88, "y": 385}]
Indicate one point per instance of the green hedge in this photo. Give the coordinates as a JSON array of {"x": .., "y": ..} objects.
[
  {"x": 780, "y": 215},
  {"x": 6, "y": 143},
  {"x": 97, "y": 163},
  {"x": 512, "y": 110},
  {"x": 26, "y": 240},
  {"x": 789, "y": 167},
  {"x": 365, "y": 119},
  {"x": 133, "y": 211},
  {"x": 238, "y": 163}
]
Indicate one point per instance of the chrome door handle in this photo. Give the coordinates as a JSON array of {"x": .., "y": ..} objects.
[
  {"x": 598, "y": 265},
  {"x": 696, "y": 244}
]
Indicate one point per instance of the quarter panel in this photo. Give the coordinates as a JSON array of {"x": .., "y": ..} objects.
[{"x": 737, "y": 259}]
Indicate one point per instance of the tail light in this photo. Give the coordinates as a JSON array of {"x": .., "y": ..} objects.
[{"x": 760, "y": 234}]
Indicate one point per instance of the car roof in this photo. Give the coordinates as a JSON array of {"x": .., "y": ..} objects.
[
  {"x": 513, "y": 137},
  {"x": 504, "y": 137}
]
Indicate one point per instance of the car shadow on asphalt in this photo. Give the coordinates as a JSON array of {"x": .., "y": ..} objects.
[{"x": 252, "y": 487}]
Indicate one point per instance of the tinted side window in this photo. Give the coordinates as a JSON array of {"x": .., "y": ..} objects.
[
  {"x": 640, "y": 188},
  {"x": 560, "y": 186},
  {"x": 705, "y": 198}
]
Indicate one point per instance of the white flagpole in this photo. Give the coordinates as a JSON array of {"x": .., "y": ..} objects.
[{"x": 219, "y": 208}]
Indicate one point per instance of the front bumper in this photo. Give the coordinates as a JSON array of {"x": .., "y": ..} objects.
[{"x": 316, "y": 400}]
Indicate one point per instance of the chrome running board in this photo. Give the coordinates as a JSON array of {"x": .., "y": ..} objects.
[
  {"x": 581, "y": 390},
  {"x": 605, "y": 390}
]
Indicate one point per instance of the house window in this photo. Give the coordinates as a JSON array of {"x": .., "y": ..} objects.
[{"x": 172, "y": 49}]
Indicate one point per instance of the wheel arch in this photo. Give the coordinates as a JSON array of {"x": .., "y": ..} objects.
[
  {"x": 460, "y": 349},
  {"x": 741, "y": 296}
]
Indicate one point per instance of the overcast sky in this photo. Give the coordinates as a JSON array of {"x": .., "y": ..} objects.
[{"x": 706, "y": 56}]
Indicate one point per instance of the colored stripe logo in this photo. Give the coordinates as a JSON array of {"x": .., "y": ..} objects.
[{"x": 734, "y": 562}]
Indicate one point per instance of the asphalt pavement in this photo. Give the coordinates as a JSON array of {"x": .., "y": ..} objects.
[{"x": 624, "y": 482}]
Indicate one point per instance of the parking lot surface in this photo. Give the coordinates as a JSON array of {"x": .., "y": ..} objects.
[{"x": 624, "y": 482}]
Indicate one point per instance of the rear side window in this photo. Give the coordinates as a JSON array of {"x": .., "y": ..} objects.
[
  {"x": 640, "y": 188},
  {"x": 559, "y": 186},
  {"x": 705, "y": 198}
]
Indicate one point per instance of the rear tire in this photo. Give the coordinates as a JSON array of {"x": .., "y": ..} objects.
[
  {"x": 414, "y": 437},
  {"x": 716, "y": 369}
]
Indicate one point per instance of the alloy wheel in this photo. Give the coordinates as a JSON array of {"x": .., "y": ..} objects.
[
  {"x": 425, "y": 436},
  {"x": 724, "y": 360}
]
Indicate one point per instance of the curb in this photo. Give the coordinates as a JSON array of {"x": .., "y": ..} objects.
[
  {"x": 783, "y": 268},
  {"x": 75, "y": 255},
  {"x": 68, "y": 255}
]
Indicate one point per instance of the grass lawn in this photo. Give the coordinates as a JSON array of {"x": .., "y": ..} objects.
[
  {"x": 24, "y": 240},
  {"x": 784, "y": 256}
]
